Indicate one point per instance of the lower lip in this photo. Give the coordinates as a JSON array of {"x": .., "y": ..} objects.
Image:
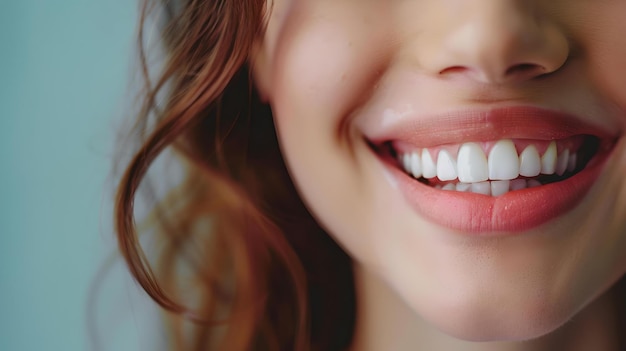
[{"x": 515, "y": 211}]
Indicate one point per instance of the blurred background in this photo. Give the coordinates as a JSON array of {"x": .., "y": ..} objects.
[{"x": 65, "y": 70}]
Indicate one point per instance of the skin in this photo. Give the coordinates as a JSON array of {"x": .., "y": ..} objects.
[{"x": 322, "y": 63}]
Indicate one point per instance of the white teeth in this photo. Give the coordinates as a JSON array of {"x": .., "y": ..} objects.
[
  {"x": 406, "y": 162},
  {"x": 472, "y": 163},
  {"x": 518, "y": 184},
  {"x": 561, "y": 162},
  {"x": 446, "y": 166},
  {"x": 499, "y": 187},
  {"x": 416, "y": 165},
  {"x": 548, "y": 160},
  {"x": 429, "y": 169},
  {"x": 449, "y": 186},
  {"x": 463, "y": 187},
  {"x": 481, "y": 188},
  {"x": 530, "y": 162},
  {"x": 494, "y": 175},
  {"x": 571, "y": 163},
  {"x": 503, "y": 161}
]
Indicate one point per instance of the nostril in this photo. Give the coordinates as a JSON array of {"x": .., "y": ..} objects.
[
  {"x": 490, "y": 74},
  {"x": 453, "y": 70},
  {"x": 525, "y": 71}
]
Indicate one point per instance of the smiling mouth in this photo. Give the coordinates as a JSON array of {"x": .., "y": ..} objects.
[
  {"x": 494, "y": 168},
  {"x": 499, "y": 187},
  {"x": 494, "y": 171}
]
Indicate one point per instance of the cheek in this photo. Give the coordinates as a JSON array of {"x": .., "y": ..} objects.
[
  {"x": 324, "y": 66},
  {"x": 605, "y": 48},
  {"x": 324, "y": 62}
]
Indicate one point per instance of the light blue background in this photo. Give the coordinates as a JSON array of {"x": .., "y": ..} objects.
[{"x": 64, "y": 77}]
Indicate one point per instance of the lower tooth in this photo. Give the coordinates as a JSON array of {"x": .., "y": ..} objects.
[
  {"x": 463, "y": 187},
  {"x": 448, "y": 186},
  {"x": 481, "y": 188},
  {"x": 491, "y": 188},
  {"x": 518, "y": 184},
  {"x": 499, "y": 187}
]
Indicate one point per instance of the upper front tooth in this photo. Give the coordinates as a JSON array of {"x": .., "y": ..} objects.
[
  {"x": 472, "y": 164},
  {"x": 446, "y": 166},
  {"x": 548, "y": 160},
  {"x": 416, "y": 165},
  {"x": 503, "y": 161},
  {"x": 429, "y": 169},
  {"x": 529, "y": 162}
]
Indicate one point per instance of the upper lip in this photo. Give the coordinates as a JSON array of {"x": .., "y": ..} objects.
[{"x": 521, "y": 122}]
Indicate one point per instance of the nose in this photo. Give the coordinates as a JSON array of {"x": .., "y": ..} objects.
[{"x": 493, "y": 41}]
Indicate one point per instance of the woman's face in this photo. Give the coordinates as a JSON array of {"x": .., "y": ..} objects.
[{"x": 470, "y": 154}]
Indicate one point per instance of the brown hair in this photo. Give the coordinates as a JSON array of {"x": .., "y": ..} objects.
[{"x": 243, "y": 266}]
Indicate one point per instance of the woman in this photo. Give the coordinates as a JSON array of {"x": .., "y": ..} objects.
[{"x": 466, "y": 157}]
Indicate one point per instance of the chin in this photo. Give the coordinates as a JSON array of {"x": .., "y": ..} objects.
[
  {"x": 483, "y": 301},
  {"x": 495, "y": 321}
]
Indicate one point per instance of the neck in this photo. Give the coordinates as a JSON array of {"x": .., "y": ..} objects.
[{"x": 385, "y": 322}]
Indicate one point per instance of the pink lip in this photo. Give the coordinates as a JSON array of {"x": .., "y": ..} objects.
[
  {"x": 522, "y": 122},
  {"x": 515, "y": 211}
]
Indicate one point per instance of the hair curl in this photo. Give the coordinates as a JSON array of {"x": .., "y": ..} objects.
[{"x": 260, "y": 274}]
